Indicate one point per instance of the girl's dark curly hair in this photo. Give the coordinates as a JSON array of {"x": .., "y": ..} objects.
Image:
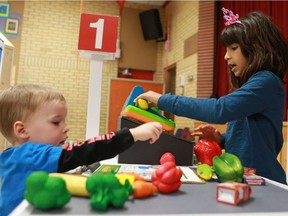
[{"x": 261, "y": 43}]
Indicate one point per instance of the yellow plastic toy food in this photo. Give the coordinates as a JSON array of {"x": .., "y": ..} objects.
[
  {"x": 143, "y": 104},
  {"x": 205, "y": 171},
  {"x": 76, "y": 184}
]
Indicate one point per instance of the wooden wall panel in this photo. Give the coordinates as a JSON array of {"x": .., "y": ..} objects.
[{"x": 205, "y": 49}]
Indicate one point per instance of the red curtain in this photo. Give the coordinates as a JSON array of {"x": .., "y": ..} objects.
[
  {"x": 278, "y": 10},
  {"x": 121, "y": 5}
]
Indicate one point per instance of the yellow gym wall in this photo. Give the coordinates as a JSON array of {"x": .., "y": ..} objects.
[
  {"x": 184, "y": 23},
  {"x": 49, "y": 55}
]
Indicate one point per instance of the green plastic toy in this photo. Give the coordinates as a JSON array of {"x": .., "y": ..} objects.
[
  {"x": 45, "y": 192},
  {"x": 105, "y": 189},
  {"x": 228, "y": 168}
]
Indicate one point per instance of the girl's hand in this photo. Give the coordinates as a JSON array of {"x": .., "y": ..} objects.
[
  {"x": 150, "y": 96},
  {"x": 150, "y": 130},
  {"x": 207, "y": 131}
]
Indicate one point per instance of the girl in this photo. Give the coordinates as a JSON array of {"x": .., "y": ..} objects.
[{"x": 257, "y": 57}]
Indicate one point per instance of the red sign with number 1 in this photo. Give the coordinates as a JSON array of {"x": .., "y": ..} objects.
[{"x": 98, "y": 33}]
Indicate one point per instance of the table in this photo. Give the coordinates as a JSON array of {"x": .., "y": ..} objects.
[{"x": 191, "y": 199}]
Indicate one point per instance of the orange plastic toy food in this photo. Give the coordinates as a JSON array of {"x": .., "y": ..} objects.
[{"x": 143, "y": 189}]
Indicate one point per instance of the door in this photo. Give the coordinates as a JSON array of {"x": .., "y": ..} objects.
[{"x": 120, "y": 89}]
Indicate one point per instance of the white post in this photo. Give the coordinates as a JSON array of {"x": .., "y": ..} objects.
[{"x": 94, "y": 97}]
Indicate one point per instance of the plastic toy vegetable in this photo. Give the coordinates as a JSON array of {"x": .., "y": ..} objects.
[
  {"x": 75, "y": 184},
  {"x": 205, "y": 171},
  {"x": 105, "y": 189},
  {"x": 206, "y": 149},
  {"x": 167, "y": 177},
  {"x": 143, "y": 189},
  {"x": 45, "y": 192},
  {"x": 143, "y": 104},
  {"x": 167, "y": 157},
  {"x": 123, "y": 177},
  {"x": 136, "y": 176},
  {"x": 228, "y": 168}
]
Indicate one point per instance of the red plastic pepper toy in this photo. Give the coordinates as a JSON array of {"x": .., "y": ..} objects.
[
  {"x": 206, "y": 149},
  {"x": 167, "y": 157},
  {"x": 167, "y": 176}
]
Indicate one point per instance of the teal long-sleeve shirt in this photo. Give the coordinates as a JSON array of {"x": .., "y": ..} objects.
[{"x": 254, "y": 114}]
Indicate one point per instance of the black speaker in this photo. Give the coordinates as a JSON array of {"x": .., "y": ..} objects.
[{"x": 151, "y": 24}]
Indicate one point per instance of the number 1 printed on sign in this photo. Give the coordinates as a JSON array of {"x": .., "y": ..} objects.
[
  {"x": 98, "y": 33},
  {"x": 99, "y": 25}
]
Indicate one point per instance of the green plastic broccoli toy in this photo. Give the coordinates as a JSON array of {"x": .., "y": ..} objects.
[
  {"x": 105, "y": 189},
  {"x": 45, "y": 192}
]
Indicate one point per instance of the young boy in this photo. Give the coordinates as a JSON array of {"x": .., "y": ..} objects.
[{"x": 32, "y": 119}]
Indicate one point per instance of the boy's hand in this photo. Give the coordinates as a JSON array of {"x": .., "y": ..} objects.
[
  {"x": 150, "y": 130},
  {"x": 207, "y": 131}
]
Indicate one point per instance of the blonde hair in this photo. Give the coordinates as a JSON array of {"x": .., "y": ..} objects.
[{"x": 18, "y": 102}]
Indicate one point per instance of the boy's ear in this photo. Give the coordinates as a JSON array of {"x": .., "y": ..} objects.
[{"x": 19, "y": 130}]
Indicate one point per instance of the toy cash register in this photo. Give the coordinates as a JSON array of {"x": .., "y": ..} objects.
[{"x": 150, "y": 115}]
